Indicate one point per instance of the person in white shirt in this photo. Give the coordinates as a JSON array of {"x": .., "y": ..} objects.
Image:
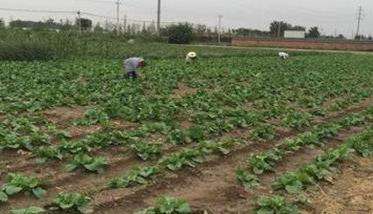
[
  {"x": 283, "y": 55},
  {"x": 191, "y": 57}
]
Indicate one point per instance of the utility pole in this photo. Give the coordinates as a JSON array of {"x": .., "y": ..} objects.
[
  {"x": 159, "y": 17},
  {"x": 79, "y": 21},
  {"x": 125, "y": 23},
  {"x": 359, "y": 18},
  {"x": 118, "y": 19},
  {"x": 219, "y": 28}
]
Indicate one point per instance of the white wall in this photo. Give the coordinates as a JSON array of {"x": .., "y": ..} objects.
[{"x": 292, "y": 34}]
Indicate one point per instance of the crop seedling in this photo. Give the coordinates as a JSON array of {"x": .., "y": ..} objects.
[
  {"x": 48, "y": 153},
  {"x": 92, "y": 117},
  {"x": 73, "y": 202},
  {"x": 17, "y": 183},
  {"x": 263, "y": 132},
  {"x": 156, "y": 127},
  {"x": 266, "y": 161},
  {"x": 29, "y": 210},
  {"x": 363, "y": 144},
  {"x": 319, "y": 169},
  {"x": 176, "y": 137},
  {"x": 297, "y": 120},
  {"x": 248, "y": 180},
  {"x": 353, "y": 120},
  {"x": 92, "y": 164},
  {"x": 196, "y": 133},
  {"x": 210, "y": 147},
  {"x": 168, "y": 205},
  {"x": 275, "y": 204},
  {"x": 135, "y": 176},
  {"x": 76, "y": 147},
  {"x": 146, "y": 151},
  {"x": 188, "y": 157}
]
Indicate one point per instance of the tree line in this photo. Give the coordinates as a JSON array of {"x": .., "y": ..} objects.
[{"x": 177, "y": 33}]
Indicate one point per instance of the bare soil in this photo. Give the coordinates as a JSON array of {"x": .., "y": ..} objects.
[
  {"x": 182, "y": 91},
  {"x": 213, "y": 187},
  {"x": 350, "y": 193},
  {"x": 210, "y": 186},
  {"x": 61, "y": 115}
]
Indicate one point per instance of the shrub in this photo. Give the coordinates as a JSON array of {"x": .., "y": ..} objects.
[
  {"x": 181, "y": 33},
  {"x": 26, "y": 51}
]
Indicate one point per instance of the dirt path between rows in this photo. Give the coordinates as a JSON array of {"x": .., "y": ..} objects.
[
  {"x": 88, "y": 183},
  {"x": 350, "y": 193},
  {"x": 213, "y": 187}
]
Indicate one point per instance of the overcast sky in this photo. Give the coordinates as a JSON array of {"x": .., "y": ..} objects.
[{"x": 332, "y": 16}]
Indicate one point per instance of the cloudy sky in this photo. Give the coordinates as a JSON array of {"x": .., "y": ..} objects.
[{"x": 332, "y": 16}]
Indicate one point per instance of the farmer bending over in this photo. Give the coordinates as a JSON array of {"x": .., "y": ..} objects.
[
  {"x": 131, "y": 65},
  {"x": 283, "y": 55},
  {"x": 191, "y": 57}
]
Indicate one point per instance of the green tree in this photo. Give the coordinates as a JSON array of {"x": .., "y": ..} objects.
[
  {"x": 313, "y": 32},
  {"x": 181, "y": 33},
  {"x": 277, "y": 28},
  {"x": 2, "y": 23}
]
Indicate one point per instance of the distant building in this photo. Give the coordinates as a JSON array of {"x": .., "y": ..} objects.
[{"x": 295, "y": 34}]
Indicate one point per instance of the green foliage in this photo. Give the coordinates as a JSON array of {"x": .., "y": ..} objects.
[
  {"x": 353, "y": 120},
  {"x": 29, "y": 210},
  {"x": 328, "y": 130},
  {"x": 196, "y": 133},
  {"x": 168, "y": 205},
  {"x": 26, "y": 50},
  {"x": 226, "y": 93},
  {"x": 136, "y": 176},
  {"x": 146, "y": 151},
  {"x": 313, "y": 32},
  {"x": 266, "y": 161},
  {"x": 22, "y": 133},
  {"x": 177, "y": 137},
  {"x": 263, "y": 132},
  {"x": 188, "y": 157},
  {"x": 73, "y": 202},
  {"x": 92, "y": 117},
  {"x": 91, "y": 164},
  {"x": 363, "y": 144},
  {"x": 48, "y": 153},
  {"x": 248, "y": 180},
  {"x": 181, "y": 33},
  {"x": 293, "y": 182},
  {"x": 17, "y": 183},
  {"x": 276, "y": 205},
  {"x": 156, "y": 127},
  {"x": 220, "y": 148},
  {"x": 297, "y": 120},
  {"x": 3, "y": 196},
  {"x": 77, "y": 147}
]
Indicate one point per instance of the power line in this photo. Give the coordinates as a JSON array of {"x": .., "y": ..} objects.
[{"x": 38, "y": 11}]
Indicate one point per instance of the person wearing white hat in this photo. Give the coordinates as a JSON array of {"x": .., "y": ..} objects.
[
  {"x": 191, "y": 57},
  {"x": 131, "y": 65},
  {"x": 283, "y": 55}
]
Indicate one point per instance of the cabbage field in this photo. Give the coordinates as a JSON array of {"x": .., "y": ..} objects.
[{"x": 238, "y": 131}]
